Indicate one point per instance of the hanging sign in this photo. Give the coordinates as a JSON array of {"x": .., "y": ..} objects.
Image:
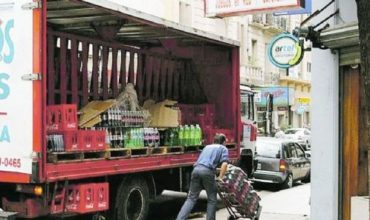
[
  {"x": 285, "y": 51},
  {"x": 225, "y": 8}
]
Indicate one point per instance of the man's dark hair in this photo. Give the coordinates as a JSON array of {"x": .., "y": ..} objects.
[{"x": 219, "y": 139}]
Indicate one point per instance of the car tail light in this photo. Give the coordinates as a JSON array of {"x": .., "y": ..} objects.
[{"x": 282, "y": 165}]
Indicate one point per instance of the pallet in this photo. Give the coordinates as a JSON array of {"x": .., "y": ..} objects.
[
  {"x": 69, "y": 157},
  {"x": 191, "y": 148},
  {"x": 158, "y": 150},
  {"x": 137, "y": 152},
  {"x": 117, "y": 153},
  {"x": 175, "y": 150},
  {"x": 64, "y": 157}
]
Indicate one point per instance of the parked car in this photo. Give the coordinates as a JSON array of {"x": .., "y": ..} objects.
[
  {"x": 300, "y": 135},
  {"x": 281, "y": 161}
]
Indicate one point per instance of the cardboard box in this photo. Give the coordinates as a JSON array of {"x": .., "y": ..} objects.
[{"x": 164, "y": 114}]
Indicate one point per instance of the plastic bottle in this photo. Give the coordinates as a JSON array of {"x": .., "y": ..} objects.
[
  {"x": 186, "y": 135},
  {"x": 171, "y": 137},
  {"x": 141, "y": 144},
  {"x": 135, "y": 138},
  {"x": 146, "y": 142},
  {"x": 192, "y": 135},
  {"x": 181, "y": 135},
  {"x": 175, "y": 137},
  {"x": 156, "y": 139},
  {"x": 166, "y": 137},
  {"x": 198, "y": 138}
]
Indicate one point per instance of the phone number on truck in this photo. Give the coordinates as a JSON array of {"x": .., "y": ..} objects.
[{"x": 10, "y": 162}]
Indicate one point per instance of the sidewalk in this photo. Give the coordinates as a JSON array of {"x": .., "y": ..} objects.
[{"x": 289, "y": 204}]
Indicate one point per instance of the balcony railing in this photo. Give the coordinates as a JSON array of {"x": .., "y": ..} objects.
[
  {"x": 306, "y": 79},
  {"x": 253, "y": 75},
  {"x": 279, "y": 22}
]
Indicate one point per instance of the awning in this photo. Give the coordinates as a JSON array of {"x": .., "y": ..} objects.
[{"x": 344, "y": 38}]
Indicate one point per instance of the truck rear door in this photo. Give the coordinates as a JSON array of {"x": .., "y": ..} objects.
[{"x": 20, "y": 88}]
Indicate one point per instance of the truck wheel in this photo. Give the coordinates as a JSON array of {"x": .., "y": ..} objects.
[{"x": 132, "y": 201}]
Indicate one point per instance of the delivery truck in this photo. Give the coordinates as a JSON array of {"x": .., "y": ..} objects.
[{"x": 57, "y": 58}]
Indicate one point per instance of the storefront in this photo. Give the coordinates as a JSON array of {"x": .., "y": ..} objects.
[
  {"x": 339, "y": 177},
  {"x": 282, "y": 103},
  {"x": 291, "y": 108}
]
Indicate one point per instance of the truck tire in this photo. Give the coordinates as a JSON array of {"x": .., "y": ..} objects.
[{"x": 132, "y": 201}]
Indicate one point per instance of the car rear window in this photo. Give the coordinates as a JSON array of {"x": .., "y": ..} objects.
[
  {"x": 291, "y": 131},
  {"x": 268, "y": 150}
]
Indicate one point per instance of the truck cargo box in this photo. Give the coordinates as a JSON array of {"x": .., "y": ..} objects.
[{"x": 75, "y": 52}]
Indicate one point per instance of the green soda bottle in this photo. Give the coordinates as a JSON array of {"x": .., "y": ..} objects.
[
  {"x": 186, "y": 135},
  {"x": 175, "y": 136},
  {"x": 192, "y": 135},
  {"x": 181, "y": 135},
  {"x": 198, "y": 138}
]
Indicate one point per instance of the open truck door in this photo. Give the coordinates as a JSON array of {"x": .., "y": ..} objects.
[{"x": 20, "y": 89}]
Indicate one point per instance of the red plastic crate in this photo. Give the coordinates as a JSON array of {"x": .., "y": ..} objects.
[
  {"x": 81, "y": 198},
  {"x": 102, "y": 196},
  {"x": 70, "y": 139},
  {"x": 99, "y": 140},
  {"x": 61, "y": 118},
  {"x": 86, "y": 140}
]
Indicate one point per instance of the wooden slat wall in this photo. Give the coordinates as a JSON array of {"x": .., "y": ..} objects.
[
  {"x": 114, "y": 80},
  {"x": 82, "y": 69},
  {"x": 74, "y": 66},
  {"x": 85, "y": 84},
  {"x": 354, "y": 161},
  {"x": 63, "y": 70},
  {"x": 51, "y": 71}
]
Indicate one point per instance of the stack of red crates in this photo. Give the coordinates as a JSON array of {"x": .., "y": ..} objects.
[
  {"x": 85, "y": 198},
  {"x": 62, "y": 120}
]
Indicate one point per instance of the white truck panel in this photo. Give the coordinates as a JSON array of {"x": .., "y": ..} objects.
[{"x": 16, "y": 95}]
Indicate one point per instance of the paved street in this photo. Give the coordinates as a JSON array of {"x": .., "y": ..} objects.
[{"x": 290, "y": 204}]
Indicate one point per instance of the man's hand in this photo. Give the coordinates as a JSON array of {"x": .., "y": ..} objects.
[
  {"x": 223, "y": 170},
  {"x": 219, "y": 179}
]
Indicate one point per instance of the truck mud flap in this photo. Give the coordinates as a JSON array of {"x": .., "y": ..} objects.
[
  {"x": 29, "y": 208},
  {"x": 7, "y": 215}
]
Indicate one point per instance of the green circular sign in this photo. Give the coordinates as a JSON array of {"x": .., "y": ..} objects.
[{"x": 285, "y": 51}]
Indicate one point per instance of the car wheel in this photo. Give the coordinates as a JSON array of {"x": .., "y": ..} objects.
[
  {"x": 307, "y": 178},
  {"x": 288, "y": 183}
]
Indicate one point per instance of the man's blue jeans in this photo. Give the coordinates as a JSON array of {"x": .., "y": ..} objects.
[{"x": 201, "y": 178}]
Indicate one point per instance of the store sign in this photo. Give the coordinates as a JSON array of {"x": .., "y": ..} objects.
[
  {"x": 284, "y": 51},
  {"x": 282, "y": 96},
  {"x": 306, "y": 10},
  {"x": 224, "y": 8},
  {"x": 304, "y": 100}
]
